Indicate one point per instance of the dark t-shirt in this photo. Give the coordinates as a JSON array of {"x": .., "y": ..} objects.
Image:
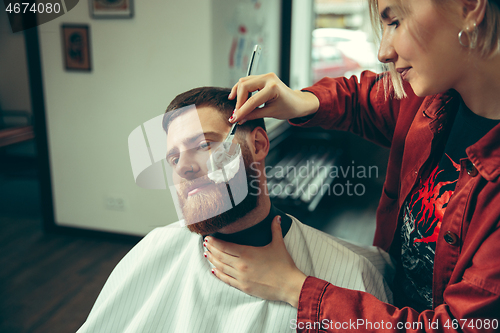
[{"x": 424, "y": 208}]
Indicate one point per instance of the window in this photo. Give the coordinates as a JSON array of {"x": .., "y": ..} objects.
[{"x": 342, "y": 43}]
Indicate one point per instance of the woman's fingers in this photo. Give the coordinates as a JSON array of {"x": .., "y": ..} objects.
[
  {"x": 232, "y": 94},
  {"x": 258, "y": 271},
  {"x": 220, "y": 256},
  {"x": 226, "y": 278},
  {"x": 255, "y": 114},
  {"x": 238, "y": 90},
  {"x": 221, "y": 266},
  {"x": 266, "y": 90},
  {"x": 280, "y": 101},
  {"x": 250, "y": 109},
  {"x": 276, "y": 232},
  {"x": 246, "y": 86},
  {"x": 234, "y": 89},
  {"x": 232, "y": 249}
]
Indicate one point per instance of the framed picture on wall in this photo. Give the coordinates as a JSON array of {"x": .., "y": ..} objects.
[
  {"x": 111, "y": 8},
  {"x": 76, "y": 46}
]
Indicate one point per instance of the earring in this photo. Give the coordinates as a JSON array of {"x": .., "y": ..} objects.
[{"x": 471, "y": 35}]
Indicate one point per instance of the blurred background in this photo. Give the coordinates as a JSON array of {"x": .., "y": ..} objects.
[{"x": 69, "y": 206}]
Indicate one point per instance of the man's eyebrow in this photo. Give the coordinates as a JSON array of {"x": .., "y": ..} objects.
[{"x": 195, "y": 137}]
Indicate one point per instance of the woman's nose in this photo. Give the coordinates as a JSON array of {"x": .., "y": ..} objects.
[{"x": 386, "y": 52}]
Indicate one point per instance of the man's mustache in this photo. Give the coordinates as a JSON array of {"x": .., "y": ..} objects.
[{"x": 187, "y": 186}]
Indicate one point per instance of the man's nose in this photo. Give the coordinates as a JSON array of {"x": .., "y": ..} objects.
[
  {"x": 187, "y": 167},
  {"x": 386, "y": 52}
]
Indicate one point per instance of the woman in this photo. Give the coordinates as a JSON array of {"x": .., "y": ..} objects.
[{"x": 439, "y": 214}]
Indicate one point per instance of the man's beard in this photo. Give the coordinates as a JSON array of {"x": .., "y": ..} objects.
[{"x": 211, "y": 210}]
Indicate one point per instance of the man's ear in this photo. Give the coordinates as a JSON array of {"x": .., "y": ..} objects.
[
  {"x": 259, "y": 143},
  {"x": 474, "y": 10}
]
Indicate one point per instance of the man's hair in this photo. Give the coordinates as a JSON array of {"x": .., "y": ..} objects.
[{"x": 208, "y": 97}]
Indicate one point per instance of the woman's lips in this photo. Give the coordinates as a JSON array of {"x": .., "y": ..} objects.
[{"x": 404, "y": 72}]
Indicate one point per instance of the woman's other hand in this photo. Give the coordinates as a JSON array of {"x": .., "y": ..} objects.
[
  {"x": 281, "y": 102},
  {"x": 267, "y": 272}
]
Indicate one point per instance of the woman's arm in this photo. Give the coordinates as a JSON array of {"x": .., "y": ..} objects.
[
  {"x": 470, "y": 305},
  {"x": 364, "y": 107}
]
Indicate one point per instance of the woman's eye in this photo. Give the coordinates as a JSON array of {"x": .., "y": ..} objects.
[{"x": 394, "y": 23}]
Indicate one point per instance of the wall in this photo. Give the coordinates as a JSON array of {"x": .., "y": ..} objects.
[
  {"x": 138, "y": 66},
  {"x": 14, "y": 87},
  {"x": 263, "y": 26}
]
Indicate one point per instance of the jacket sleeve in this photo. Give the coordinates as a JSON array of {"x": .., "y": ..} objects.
[
  {"x": 362, "y": 107},
  {"x": 470, "y": 305}
]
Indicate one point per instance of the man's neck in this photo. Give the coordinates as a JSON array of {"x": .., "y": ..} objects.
[
  {"x": 254, "y": 229},
  {"x": 255, "y": 216},
  {"x": 260, "y": 231}
]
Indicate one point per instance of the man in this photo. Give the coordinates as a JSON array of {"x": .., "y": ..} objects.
[{"x": 165, "y": 284}]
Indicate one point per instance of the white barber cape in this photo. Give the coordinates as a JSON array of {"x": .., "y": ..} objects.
[{"x": 164, "y": 284}]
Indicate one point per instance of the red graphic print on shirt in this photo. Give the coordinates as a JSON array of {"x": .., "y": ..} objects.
[
  {"x": 433, "y": 203},
  {"x": 423, "y": 214}
]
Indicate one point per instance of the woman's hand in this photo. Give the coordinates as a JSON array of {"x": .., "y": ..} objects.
[
  {"x": 267, "y": 272},
  {"x": 281, "y": 101}
]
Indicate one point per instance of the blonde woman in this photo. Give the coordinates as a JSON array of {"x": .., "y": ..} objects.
[{"x": 438, "y": 109}]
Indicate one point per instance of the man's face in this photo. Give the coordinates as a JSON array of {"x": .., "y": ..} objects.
[{"x": 206, "y": 206}]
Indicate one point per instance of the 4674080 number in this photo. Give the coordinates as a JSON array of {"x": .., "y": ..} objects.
[{"x": 23, "y": 7}]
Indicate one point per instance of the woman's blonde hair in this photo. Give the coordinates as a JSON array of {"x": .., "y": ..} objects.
[{"x": 488, "y": 39}]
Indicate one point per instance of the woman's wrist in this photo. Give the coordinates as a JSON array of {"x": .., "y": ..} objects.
[
  {"x": 312, "y": 103},
  {"x": 307, "y": 104},
  {"x": 293, "y": 288}
]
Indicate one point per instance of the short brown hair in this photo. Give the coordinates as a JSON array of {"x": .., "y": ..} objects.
[{"x": 214, "y": 97}]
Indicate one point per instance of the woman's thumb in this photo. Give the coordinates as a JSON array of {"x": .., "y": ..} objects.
[{"x": 276, "y": 228}]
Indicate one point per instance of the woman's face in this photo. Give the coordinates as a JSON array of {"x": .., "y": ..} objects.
[{"x": 423, "y": 45}]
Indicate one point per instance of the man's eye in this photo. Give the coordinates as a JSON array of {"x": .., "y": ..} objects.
[
  {"x": 205, "y": 145},
  {"x": 173, "y": 160}
]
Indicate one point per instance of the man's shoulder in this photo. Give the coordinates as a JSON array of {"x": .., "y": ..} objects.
[
  {"x": 166, "y": 230},
  {"x": 171, "y": 235},
  {"x": 310, "y": 232},
  {"x": 320, "y": 241},
  {"x": 314, "y": 241},
  {"x": 175, "y": 227}
]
